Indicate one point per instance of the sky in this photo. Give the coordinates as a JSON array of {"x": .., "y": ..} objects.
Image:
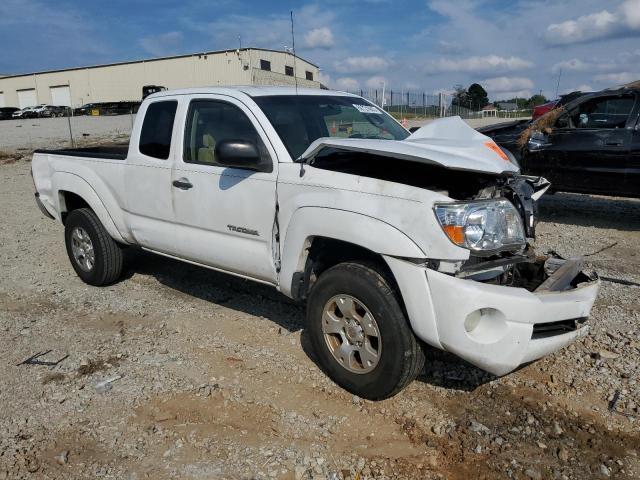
[{"x": 511, "y": 47}]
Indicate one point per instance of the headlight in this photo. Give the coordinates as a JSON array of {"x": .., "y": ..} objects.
[{"x": 482, "y": 226}]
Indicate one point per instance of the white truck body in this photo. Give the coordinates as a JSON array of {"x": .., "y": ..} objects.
[{"x": 261, "y": 224}]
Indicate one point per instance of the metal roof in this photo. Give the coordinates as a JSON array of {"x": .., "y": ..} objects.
[{"x": 156, "y": 59}]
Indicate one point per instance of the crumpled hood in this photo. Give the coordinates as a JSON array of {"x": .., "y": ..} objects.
[{"x": 448, "y": 142}]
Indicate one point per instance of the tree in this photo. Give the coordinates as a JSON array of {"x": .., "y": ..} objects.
[
  {"x": 478, "y": 97},
  {"x": 535, "y": 100},
  {"x": 461, "y": 97},
  {"x": 474, "y": 98}
]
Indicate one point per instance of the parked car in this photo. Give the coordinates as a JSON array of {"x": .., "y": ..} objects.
[
  {"x": 547, "y": 107},
  {"x": 540, "y": 110},
  {"x": 55, "y": 111},
  {"x": 27, "y": 112},
  {"x": 85, "y": 109},
  {"x": 391, "y": 239},
  {"x": 6, "y": 113},
  {"x": 37, "y": 111},
  {"x": 107, "y": 108},
  {"x": 594, "y": 147}
]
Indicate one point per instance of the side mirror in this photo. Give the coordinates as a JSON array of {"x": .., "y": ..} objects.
[
  {"x": 414, "y": 129},
  {"x": 241, "y": 154}
]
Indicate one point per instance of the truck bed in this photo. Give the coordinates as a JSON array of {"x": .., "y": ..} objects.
[{"x": 109, "y": 152}]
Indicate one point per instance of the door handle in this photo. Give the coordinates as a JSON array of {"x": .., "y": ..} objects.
[
  {"x": 182, "y": 184},
  {"x": 614, "y": 143}
]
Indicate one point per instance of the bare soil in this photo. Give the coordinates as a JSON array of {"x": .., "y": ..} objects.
[{"x": 181, "y": 372}]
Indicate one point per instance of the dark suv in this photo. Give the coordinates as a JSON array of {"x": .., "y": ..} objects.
[{"x": 7, "y": 112}]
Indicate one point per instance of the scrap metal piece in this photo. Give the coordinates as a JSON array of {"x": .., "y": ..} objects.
[
  {"x": 562, "y": 277},
  {"x": 33, "y": 360}
]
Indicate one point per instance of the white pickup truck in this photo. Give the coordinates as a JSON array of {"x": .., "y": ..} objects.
[{"x": 394, "y": 240}]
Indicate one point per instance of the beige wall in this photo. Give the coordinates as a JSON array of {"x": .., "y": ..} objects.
[{"x": 124, "y": 82}]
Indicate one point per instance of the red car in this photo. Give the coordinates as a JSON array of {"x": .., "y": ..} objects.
[
  {"x": 547, "y": 107},
  {"x": 544, "y": 108}
]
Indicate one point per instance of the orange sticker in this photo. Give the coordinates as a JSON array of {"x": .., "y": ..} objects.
[{"x": 496, "y": 148}]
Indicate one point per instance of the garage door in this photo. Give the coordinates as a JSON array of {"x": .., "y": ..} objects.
[
  {"x": 61, "y": 96},
  {"x": 27, "y": 98},
  {"x": 2, "y": 100}
]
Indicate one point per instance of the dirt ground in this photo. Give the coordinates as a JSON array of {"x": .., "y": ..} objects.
[{"x": 180, "y": 372}]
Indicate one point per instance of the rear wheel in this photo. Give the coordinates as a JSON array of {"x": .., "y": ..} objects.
[
  {"x": 94, "y": 255},
  {"x": 360, "y": 334}
]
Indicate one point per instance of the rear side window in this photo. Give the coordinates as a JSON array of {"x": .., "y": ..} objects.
[{"x": 155, "y": 137}]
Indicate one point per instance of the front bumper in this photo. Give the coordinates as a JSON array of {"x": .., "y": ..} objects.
[{"x": 496, "y": 328}]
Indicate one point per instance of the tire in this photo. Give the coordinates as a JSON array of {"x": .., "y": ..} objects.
[
  {"x": 106, "y": 267},
  {"x": 399, "y": 355}
]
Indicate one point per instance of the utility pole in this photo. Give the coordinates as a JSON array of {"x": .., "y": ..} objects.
[{"x": 558, "y": 84}]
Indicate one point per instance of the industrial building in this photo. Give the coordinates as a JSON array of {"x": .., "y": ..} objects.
[{"x": 117, "y": 82}]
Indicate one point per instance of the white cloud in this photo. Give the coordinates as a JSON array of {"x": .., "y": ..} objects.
[
  {"x": 630, "y": 11},
  {"x": 516, "y": 93},
  {"x": 580, "y": 88},
  {"x": 347, "y": 83},
  {"x": 506, "y": 84},
  {"x": 319, "y": 38},
  {"x": 376, "y": 81},
  {"x": 594, "y": 26},
  {"x": 163, "y": 44},
  {"x": 488, "y": 63},
  {"x": 371, "y": 64},
  {"x": 575, "y": 65},
  {"x": 325, "y": 78},
  {"x": 617, "y": 78}
]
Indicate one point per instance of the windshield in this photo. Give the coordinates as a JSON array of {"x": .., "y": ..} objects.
[{"x": 299, "y": 120}]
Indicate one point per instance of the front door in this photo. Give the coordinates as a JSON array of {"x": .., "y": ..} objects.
[
  {"x": 225, "y": 217},
  {"x": 597, "y": 145}
]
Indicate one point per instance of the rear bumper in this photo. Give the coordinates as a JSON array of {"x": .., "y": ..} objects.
[
  {"x": 496, "y": 328},
  {"x": 42, "y": 208}
]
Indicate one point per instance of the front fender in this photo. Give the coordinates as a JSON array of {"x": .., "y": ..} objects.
[
  {"x": 362, "y": 230},
  {"x": 69, "y": 182}
]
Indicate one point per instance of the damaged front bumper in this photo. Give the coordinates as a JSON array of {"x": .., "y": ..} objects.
[{"x": 498, "y": 327}]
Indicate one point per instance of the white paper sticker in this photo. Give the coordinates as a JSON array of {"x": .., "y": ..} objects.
[{"x": 367, "y": 109}]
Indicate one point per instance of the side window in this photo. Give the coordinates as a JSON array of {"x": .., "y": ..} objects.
[
  {"x": 155, "y": 136},
  {"x": 210, "y": 122},
  {"x": 607, "y": 112}
]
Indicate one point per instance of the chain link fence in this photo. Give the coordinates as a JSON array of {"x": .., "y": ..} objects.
[{"x": 407, "y": 104}]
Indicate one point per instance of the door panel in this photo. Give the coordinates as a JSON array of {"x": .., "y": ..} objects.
[
  {"x": 148, "y": 179},
  {"x": 224, "y": 216},
  {"x": 226, "y": 219},
  {"x": 596, "y": 160}
]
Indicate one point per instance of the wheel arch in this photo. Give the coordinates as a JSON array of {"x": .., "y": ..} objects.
[
  {"x": 74, "y": 192},
  {"x": 322, "y": 237}
]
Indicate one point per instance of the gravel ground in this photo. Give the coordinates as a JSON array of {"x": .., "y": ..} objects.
[
  {"x": 181, "y": 372},
  {"x": 29, "y": 134}
]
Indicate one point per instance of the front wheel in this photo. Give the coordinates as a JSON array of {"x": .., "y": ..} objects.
[
  {"x": 94, "y": 255},
  {"x": 360, "y": 334}
]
